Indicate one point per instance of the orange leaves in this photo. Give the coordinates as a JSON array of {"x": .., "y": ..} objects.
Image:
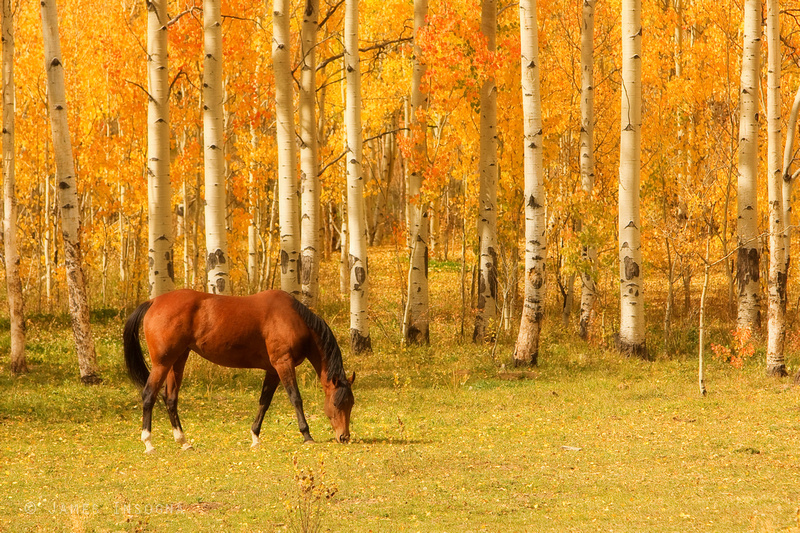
[{"x": 742, "y": 349}]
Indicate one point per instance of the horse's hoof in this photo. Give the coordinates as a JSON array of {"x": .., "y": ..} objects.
[
  {"x": 309, "y": 441},
  {"x": 186, "y": 447},
  {"x": 150, "y": 450}
]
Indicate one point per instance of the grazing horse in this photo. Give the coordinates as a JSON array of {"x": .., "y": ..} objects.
[{"x": 270, "y": 330}]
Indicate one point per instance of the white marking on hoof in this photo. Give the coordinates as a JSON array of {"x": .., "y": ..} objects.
[
  {"x": 180, "y": 438},
  {"x": 148, "y": 446},
  {"x": 186, "y": 446},
  {"x": 256, "y": 440}
]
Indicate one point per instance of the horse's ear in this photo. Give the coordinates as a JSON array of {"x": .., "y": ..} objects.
[{"x": 352, "y": 379}]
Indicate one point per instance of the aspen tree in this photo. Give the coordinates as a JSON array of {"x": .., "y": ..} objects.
[
  {"x": 588, "y": 253},
  {"x": 416, "y": 319},
  {"x": 776, "y": 311},
  {"x": 526, "y": 350},
  {"x": 252, "y": 228},
  {"x": 487, "y": 202},
  {"x": 309, "y": 178},
  {"x": 356, "y": 222},
  {"x": 632, "y": 331},
  {"x": 748, "y": 258},
  {"x": 788, "y": 181},
  {"x": 289, "y": 215},
  {"x": 67, "y": 196},
  {"x": 217, "y": 264},
  {"x": 16, "y": 302},
  {"x": 159, "y": 189}
]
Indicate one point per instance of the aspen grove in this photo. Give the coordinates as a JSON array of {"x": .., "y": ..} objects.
[{"x": 590, "y": 166}]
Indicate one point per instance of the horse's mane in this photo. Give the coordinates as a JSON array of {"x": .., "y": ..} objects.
[{"x": 327, "y": 342}]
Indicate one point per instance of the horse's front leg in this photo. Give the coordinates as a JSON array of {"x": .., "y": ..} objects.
[
  {"x": 289, "y": 380},
  {"x": 149, "y": 395},
  {"x": 271, "y": 381}
]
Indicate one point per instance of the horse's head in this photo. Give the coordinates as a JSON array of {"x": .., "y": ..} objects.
[{"x": 338, "y": 404}]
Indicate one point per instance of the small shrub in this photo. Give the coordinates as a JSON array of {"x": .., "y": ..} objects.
[
  {"x": 312, "y": 489},
  {"x": 742, "y": 349}
]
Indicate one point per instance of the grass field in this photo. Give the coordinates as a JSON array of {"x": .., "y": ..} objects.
[{"x": 443, "y": 441}]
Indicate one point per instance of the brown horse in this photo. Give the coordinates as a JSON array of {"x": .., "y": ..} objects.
[{"x": 270, "y": 330}]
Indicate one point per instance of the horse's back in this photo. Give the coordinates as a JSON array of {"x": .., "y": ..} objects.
[{"x": 236, "y": 331}]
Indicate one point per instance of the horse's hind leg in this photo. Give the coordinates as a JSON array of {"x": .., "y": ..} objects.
[
  {"x": 149, "y": 395},
  {"x": 289, "y": 380},
  {"x": 271, "y": 381},
  {"x": 170, "y": 395}
]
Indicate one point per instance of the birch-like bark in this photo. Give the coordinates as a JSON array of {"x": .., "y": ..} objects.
[
  {"x": 309, "y": 179},
  {"x": 159, "y": 189},
  {"x": 588, "y": 253},
  {"x": 252, "y": 228},
  {"x": 16, "y": 302},
  {"x": 749, "y": 254},
  {"x": 416, "y": 325},
  {"x": 486, "y": 311},
  {"x": 356, "y": 220},
  {"x": 632, "y": 331},
  {"x": 217, "y": 264},
  {"x": 776, "y": 314},
  {"x": 288, "y": 208},
  {"x": 68, "y": 196},
  {"x": 527, "y": 347},
  {"x": 788, "y": 181}
]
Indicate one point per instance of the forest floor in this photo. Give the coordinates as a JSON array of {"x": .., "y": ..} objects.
[{"x": 445, "y": 439}]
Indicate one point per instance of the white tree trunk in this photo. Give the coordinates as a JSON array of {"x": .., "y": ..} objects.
[
  {"x": 252, "y": 228},
  {"x": 527, "y": 347},
  {"x": 788, "y": 180},
  {"x": 486, "y": 312},
  {"x": 356, "y": 219},
  {"x": 13, "y": 282},
  {"x": 217, "y": 263},
  {"x": 68, "y": 196},
  {"x": 159, "y": 189},
  {"x": 748, "y": 259},
  {"x": 632, "y": 330},
  {"x": 588, "y": 253},
  {"x": 309, "y": 179},
  {"x": 289, "y": 214},
  {"x": 776, "y": 316},
  {"x": 416, "y": 328}
]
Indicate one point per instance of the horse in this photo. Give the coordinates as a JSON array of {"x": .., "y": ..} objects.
[{"x": 270, "y": 330}]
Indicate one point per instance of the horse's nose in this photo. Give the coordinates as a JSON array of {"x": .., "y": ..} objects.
[{"x": 344, "y": 438}]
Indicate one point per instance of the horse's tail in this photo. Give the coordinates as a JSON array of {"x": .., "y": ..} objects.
[
  {"x": 326, "y": 341},
  {"x": 134, "y": 358}
]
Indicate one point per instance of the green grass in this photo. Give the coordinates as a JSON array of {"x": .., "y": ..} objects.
[
  {"x": 443, "y": 440},
  {"x": 441, "y": 443}
]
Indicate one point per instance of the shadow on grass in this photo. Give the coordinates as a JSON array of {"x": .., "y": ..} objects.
[{"x": 390, "y": 441}]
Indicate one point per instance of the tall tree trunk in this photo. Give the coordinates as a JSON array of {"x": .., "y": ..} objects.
[
  {"x": 416, "y": 323},
  {"x": 68, "y": 197},
  {"x": 14, "y": 283},
  {"x": 776, "y": 316},
  {"x": 588, "y": 253},
  {"x": 748, "y": 259},
  {"x": 159, "y": 189},
  {"x": 526, "y": 350},
  {"x": 217, "y": 264},
  {"x": 788, "y": 181},
  {"x": 632, "y": 331},
  {"x": 356, "y": 220},
  {"x": 287, "y": 152},
  {"x": 309, "y": 178},
  {"x": 487, "y": 201},
  {"x": 252, "y": 228}
]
